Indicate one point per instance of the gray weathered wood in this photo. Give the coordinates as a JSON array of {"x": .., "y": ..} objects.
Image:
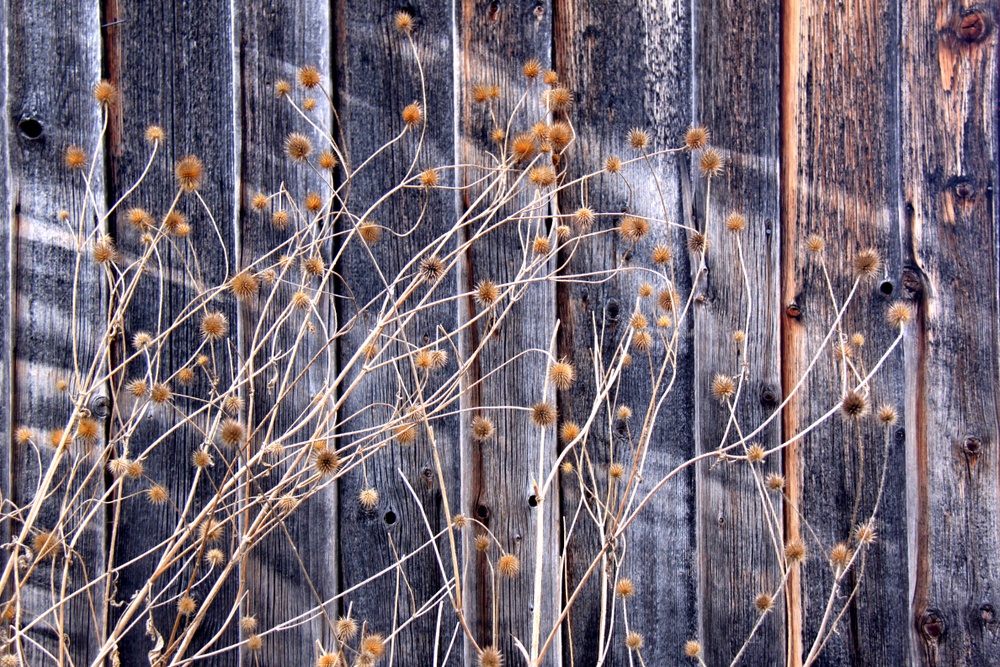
[
  {"x": 8, "y": 297},
  {"x": 173, "y": 65},
  {"x": 842, "y": 165},
  {"x": 737, "y": 61},
  {"x": 628, "y": 67},
  {"x": 50, "y": 107},
  {"x": 378, "y": 76},
  {"x": 294, "y": 569},
  {"x": 494, "y": 40},
  {"x": 949, "y": 244}
]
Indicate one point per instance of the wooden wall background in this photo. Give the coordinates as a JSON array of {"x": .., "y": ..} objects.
[{"x": 874, "y": 122}]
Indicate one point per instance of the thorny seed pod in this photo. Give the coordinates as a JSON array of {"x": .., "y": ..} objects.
[
  {"x": 404, "y": 22},
  {"x": 642, "y": 340},
  {"x": 562, "y": 374},
  {"x": 558, "y": 98},
  {"x": 864, "y": 533},
  {"x": 523, "y": 147},
  {"x": 432, "y": 268},
  {"x": 509, "y": 565},
  {"x": 899, "y": 314},
  {"x": 815, "y": 244},
  {"x": 211, "y": 530},
  {"x": 75, "y": 158},
  {"x": 244, "y": 285},
  {"x": 661, "y": 254},
  {"x": 313, "y": 266},
  {"x": 697, "y": 242},
  {"x": 157, "y": 494},
  {"x": 328, "y": 160},
  {"x": 633, "y": 640},
  {"x": 202, "y": 459},
  {"x": 412, "y": 114},
  {"x": 532, "y": 68},
  {"x": 867, "y": 263},
  {"x": 429, "y": 178},
  {"x": 853, "y": 405},
  {"x": 624, "y": 588},
  {"x": 186, "y": 605},
  {"x": 298, "y": 147},
  {"x": 887, "y": 415},
  {"x": 775, "y": 482},
  {"x": 482, "y": 428},
  {"x": 543, "y": 414},
  {"x": 542, "y": 176},
  {"x": 840, "y": 554},
  {"x": 613, "y": 164},
  {"x": 616, "y": 471},
  {"x": 645, "y": 290},
  {"x": 755, "y": 453},
  {"x": 282, "y": 88},
  {"x": 490, "y": 657},
  {"x": 723, "y": 387},
  {"x": 313, "y": 202},
  {"x": 541, "y": 245},
  {"x": 638, "y": 138},
  {"x": 347, "y": 628},
  {"x": 326, "y": 461},
  {"x": 633, "y": 228},
  {"x": 254, "y": 643},
  {"x": 764, "y": 603},
  {"x": 569, "y": 432},
  {"x": 214, "y": 326},
  {"x": 735, "y": 222},
  {"x": 373, "y": 645},
  {"x": 370, "y": 233},
  {"x": 795, "y": 551},
  {"x": 584, "y": 217},
  {"x": 487, "y": 293},
  {"x": 160, "y": 393},
  {"x": 309, "y": 77},
  {"x": 711, "y": 163},
  {"x": 188, "y": 172},
  {"x": 105, "y": 93},
  {"x": 696, "y": 138},
  {"x": 692, "y": 648},
  {"x": 232, "y": 433},
  {"x": 638, "y": 320},
  {"x": 155, "y": 134},
  {"x": 482, "y": 542},
  {"x": 368, "y": 498}
]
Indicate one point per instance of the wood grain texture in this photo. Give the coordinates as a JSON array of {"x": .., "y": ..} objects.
[
  {"x": 294, "y": 569},
  {"x": 493, "y": 41},
  {"x": 737, "y": 61},
  {"x": 377, "y": 76},
  {"x": 173, "y": 65},
  {"x": 8, "y": 296},
  {"x": 949, "y": 243},
  {"x": 629, "y": 66},
  {"x": 845, "y": 189},
  {"x": 55, "y": 341}
]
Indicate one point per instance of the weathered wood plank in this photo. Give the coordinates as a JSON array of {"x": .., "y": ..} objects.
[
  {"x": 378, "y": 76},
  {"x": 173, "y": 65},
  {"x": 494, "y": 40},
  {"x": 294, "y": 568},
  {"x": 740, "y": 538},
  {"x": 842, "y": 186},
  {"x": 949, "y": 236},
  {"x": 629, "y": 66},
  {"x": 8, "y": 297},
  {"x": 58, "y": 315}
]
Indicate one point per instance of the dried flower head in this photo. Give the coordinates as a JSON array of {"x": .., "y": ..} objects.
[
  {"x": 282, "y": 88},
  {"x": 298, "y": 147},
  {"x": 899, "y": 314},
  {"x": 735, "y": 222},
  {"x": 853, "y": 405},
  {"x": 482, "y": 428},
  {"x": 482, "y": 542},
  {"x": 160, "y": 393},
  {"x": 795, "y": 551},
  {"x": 569, "y": 431},
  {"x": 429, "y": 178},
  {"x": 692, "y": 648},
  {"x": 214, "y": 326},
  {"x": 633, "y": 640},
  {"x": 326, "y": 461},
  {"x": 662, "y": 254},
  {"x": 490, "y": 657},
  {"x": 309, "y": 77},
  {"x": 368, "y": 498},
  {"x": 487, "y": 293},
  {"x": 432, "y": 268},
  {"x": 711, "y": 163},
  {"x": 775, "y": 482},
  {"x": 638, "y": 138},
  {"x": 46, "y": 544},
  {"x": 560, "y": 134},
  {"x": 542, "y": 176},
  {"x": 696, "y": 137},
  {"x": 202, "y": 459},
  {"x": 624, "y": 588},
  {"x": 232, "y": 433},
  {"x": 613, "y": 164},
  {"x": 633, "y": 228},
  {"x": 723, "y": 386},
  {"x": 347, "y": 628},
  {"x": 412, "y": 114},
  {"x": 215, "y": 557},
  {"x": 523, "y": 147},
  {"x": 254, "y": 643},
  {"x": 616, "y": 471},
  {"x": 406, "y": 434},
  {"x": 313, "y": 202},
  {"x": 867, "y": 263},
  {"x": 815, "y": 243},
  {"x": 755, "y": 453},
  {"x": 764, "y": 602},
  {"x": 645, "y": 290},
  {"x": 543, "y": 414},
  {"x": 864, "y": 533},
  {"x": 562, "y": 374},
  {"x": 370, "y": 233},
  {"x": 840, "y": 554},
  {"x": 584, "y": 217},
  {"x": 313, "y": 266},
  {"x": 155, "y": 134},
  {"x": 638, "y": 320},
  {"x": 75, "y": 158},
  {"x": 328, "y": 160},
  {"x": 186, "y": 605},
  {"x": 887, "y": 415},
  {"x": 509, "y": 565},
  {"x": 642, "y": 340},
  {"x": 558, "y": 98},
  {"x": 532, "y": 68},
  {"x": 157, "y": 494},
  {"x": 188, "y": 172},
  {"x": 697, "y": 242},
  {"x": 541, "y": 245},
  {"x": 105, "y": 93},
  {"x": 280, "y": 219},
  {"x": 244, "y": 285},
  {"x": 404, "y": 22}
]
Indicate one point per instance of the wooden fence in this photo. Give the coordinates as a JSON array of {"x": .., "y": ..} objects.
[{"x": 869, "y": 122}]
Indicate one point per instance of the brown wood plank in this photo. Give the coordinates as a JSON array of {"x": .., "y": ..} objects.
[
  {"x": 58, "y": 314},
  {"x": 378, "y": 76},
  {"x": 173, "y": 65},
  {"x": 842, "y": 186},
  {"x": 949, "y": 155},
  {"x": 494, "y": 40},
  {"x": 8, "y": 297},
  {"x": 737, "y": 59},
  {"x": 294, "y": 568},
  {"x": 629, "y": 66}
]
